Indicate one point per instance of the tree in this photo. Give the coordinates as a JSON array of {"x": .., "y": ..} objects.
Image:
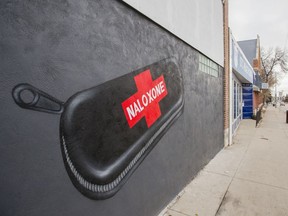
[
  {"x": 274, "y": 64},
  {"x": 273, "y": 61}
]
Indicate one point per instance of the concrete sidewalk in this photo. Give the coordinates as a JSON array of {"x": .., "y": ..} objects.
[{"x": 248, "y": 178}]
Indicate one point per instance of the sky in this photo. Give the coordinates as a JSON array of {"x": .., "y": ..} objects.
[{"x": 266, "y": 18}]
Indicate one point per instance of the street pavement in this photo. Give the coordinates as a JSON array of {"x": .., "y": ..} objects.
[{"x": 250, "y": 177}]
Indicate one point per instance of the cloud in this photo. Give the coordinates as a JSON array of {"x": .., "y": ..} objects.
[{"x": 268, "y": 19}]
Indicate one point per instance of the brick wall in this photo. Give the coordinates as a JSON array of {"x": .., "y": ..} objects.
[
  {"x": 226, "y": 74},
  {"x": 257, "y": 66}
]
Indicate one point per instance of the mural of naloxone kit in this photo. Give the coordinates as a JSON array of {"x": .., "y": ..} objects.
[{"x": 106, "y": 131}]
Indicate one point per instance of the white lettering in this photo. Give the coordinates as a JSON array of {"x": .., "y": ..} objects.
[
  {"x": 162, "y": 86},
  {"x": 150, "y": 97},
  {"x": 145, "y": 100},
  {"x": 153, "y": 95},
  {"x": 136, "y": 108},
  {"x": 141, "y": 108},
  {"x": 130, "y": 112},
  {"x": 158, "y": 89}
]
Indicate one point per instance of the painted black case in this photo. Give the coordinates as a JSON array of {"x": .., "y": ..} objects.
[{"x": 106, "y": 131}]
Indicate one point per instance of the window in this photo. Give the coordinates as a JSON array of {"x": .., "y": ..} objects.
[
  {"x": 239, "y": 92},
  {"x": 237, "y": 99},
  {"x": 208, "y": 66}
]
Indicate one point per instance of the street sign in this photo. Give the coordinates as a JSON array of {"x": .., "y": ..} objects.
[{"x": 265, "y": 86}]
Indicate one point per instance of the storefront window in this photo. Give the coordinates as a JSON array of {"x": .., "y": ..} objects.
[
  {"x": 234, "y": 99},
  {"x": 237, "y": 99}
]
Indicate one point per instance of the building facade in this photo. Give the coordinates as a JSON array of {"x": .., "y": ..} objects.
[
  {"x": 252, "y": 50},
  {"x": 241, "y": 86},
  {"x": 136, "y": 89}
]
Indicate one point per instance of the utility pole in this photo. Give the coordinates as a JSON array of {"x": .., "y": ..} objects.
[{"x": 276, "y": 89}]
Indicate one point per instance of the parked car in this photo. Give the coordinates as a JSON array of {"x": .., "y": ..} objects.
[{"x": 282, "y": 103}]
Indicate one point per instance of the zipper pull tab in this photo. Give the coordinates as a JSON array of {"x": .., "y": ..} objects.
[{"x": 29, "y": 97}]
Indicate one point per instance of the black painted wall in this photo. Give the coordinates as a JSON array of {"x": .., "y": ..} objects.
[{"x": 64, "y": 47}]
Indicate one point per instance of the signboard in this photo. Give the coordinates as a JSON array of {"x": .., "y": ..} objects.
[
  {"x": 240, "y": 64},
  {"x": 247, "y": 92},
  {"x": 265, "y": 86}
]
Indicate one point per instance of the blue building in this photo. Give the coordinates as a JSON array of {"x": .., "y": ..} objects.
[
  {"x": 241, "y": 86},
  {"x": 251, "y": 49}
]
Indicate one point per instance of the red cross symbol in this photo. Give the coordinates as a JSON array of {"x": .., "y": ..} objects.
[{"x": 145, "y": 102}]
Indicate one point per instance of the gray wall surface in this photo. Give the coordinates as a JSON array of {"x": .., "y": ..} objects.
[
  {"x": 63, "y": 47},
  {"x": 198, "y": 23}
]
